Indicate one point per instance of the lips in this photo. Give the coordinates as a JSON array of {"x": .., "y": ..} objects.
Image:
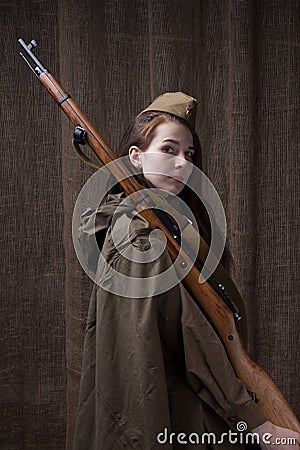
[{"x": 178, "y": 179}]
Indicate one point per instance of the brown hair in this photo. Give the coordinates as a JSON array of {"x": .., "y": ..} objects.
[{"x": 140, "y": 133}]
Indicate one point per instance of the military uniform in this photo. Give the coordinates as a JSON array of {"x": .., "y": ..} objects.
[
  {"x": 154, "y": 373},
  {"x": 153, "y": 363}
]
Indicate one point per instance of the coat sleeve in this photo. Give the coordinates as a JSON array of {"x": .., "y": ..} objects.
[{"x": 209, "y": 371}]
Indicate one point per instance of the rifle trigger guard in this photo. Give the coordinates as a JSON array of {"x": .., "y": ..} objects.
[
  {"x": 79, "y": 135},
  {"x": 253, "y": 396}
]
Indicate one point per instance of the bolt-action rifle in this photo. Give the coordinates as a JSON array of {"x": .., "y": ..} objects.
[{"x": 210, "y": 295}]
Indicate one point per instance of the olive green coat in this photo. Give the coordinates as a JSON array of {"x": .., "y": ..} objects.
[{"x": 151, "y": 366}]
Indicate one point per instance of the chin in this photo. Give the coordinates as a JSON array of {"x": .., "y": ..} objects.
[
  {"x": 174, "y": 189},
  {"x": 167, "y": 184}
]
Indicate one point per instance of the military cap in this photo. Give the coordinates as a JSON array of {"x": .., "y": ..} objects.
[{"x": 176, "y": 103}]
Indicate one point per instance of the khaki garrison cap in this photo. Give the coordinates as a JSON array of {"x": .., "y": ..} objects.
[{"x": 176, "y": 103}]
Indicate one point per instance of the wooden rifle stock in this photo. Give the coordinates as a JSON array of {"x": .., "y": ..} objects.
[{"x": 269, "y": 398}]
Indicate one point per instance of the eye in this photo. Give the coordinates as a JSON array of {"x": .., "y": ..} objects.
[
  {"x": 189, "y": 154},
  {"x": 168, "y": 150}
]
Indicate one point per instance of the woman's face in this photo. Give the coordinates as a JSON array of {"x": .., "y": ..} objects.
[{"x": 166, "y": 163}]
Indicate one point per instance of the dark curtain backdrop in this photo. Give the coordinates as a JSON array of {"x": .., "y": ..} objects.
[{"x": 241, "y": 59}]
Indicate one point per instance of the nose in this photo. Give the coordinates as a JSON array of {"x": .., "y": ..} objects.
[
  {"x": 180, "y": 161},
  {"x": 183, "y": 167}
]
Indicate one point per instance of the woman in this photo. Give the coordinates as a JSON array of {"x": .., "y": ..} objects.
[{"x": 154, "y": 373}]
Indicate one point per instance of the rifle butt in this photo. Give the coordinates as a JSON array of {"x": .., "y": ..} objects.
[{"x": 268, "y": 397}]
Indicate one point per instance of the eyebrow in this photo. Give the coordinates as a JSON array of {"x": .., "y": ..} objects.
[{"x": 177, "y": 143}]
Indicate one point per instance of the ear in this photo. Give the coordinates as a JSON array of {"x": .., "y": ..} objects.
[{"x": 135, "y": 156}]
